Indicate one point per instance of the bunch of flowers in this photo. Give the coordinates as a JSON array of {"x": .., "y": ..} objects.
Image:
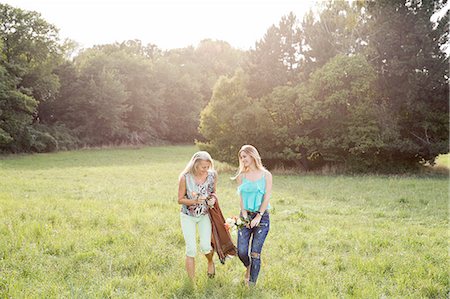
[
  {"x": 236, "y": 222},
  {"x": 209, "y": 200}
]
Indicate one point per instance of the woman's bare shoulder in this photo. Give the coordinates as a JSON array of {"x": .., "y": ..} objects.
[
  {"x": 182, "y": 178},
  {"x": 267, "y": 173}
]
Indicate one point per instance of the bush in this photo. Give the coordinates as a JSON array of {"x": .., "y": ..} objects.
[
  {"x": 66, "y": 139},
  {"x": 41, "y": 141},
  {"x": 42, "y": 138}
]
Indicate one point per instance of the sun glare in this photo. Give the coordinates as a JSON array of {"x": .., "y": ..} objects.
[{"x": 168, "y": 24}]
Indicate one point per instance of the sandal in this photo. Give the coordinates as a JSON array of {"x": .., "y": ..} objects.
[{"x": 211, "y": 275}]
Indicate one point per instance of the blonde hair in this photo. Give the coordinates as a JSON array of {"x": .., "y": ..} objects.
[
  {"x": 192, "y": 165},
  {"x": 252, "y": 152}
]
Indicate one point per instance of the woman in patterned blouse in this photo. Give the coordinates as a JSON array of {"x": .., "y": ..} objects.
[{"x": 196, "y": 184}]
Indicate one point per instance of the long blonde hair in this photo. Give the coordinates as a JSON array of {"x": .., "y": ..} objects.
[
  {"x": 252, "y": 152},
  {"x": 192, "y": 165}
]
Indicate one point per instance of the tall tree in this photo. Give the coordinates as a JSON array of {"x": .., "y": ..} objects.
[
  {"x": 340, "y": 113},
  {"x": 30, "y": 51},
  {"x": 231, "y": 118},
  {"x": 337, "y": 29},
  {"x": 189, "y": 76},
  {"x": 16, "y": 114},
  {"x": 332, "y": 116},
  {"x": 214, "y": 58},
  {"x": 276, "y": 58},
  {"x": 93, "y": 99},
  {"x": 101, "y": 107},
  {"x": 406, "y": 50}
]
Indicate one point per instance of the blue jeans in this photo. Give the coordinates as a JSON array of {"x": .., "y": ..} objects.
[{"x": 257, "y": 235}]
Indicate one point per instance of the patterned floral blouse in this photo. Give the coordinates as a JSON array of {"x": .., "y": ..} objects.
[{"x": 194, "y": 191}]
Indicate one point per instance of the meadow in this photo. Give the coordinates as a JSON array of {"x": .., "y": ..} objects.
[{"x": 104, "y": 223}]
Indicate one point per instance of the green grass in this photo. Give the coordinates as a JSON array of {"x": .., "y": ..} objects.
[
  {"x": 105, "y": 223},
  {"x": 443, "y": 161}
]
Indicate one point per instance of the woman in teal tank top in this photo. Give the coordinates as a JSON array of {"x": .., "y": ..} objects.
[{"x": 255, "y": 186}]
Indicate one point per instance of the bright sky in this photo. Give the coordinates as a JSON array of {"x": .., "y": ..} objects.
[{"x": 166, "y": 23}]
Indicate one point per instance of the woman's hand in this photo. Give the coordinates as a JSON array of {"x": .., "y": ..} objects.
[
  {"x": 245, "y": 216},
  {"x": 255, "y": 221},
  {"x": 200, "y": 200}
]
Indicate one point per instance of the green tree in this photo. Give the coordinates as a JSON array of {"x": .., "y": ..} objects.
[
  {"x": 187, "y": 77},
  {"x": 180, "y": 103},
  {"x": 230, "y": 119},
  {"x": 100, "y": 121},
  {"x": 406, "y": 50},
  {"x": 373, "y": 95},
  {"x": 285, "y": 128},
  {"x": 214, "y": 58},
  {"x": 337, "y": 29},
  {"x": 92, "y": 100},
  {"x": 276, "y": 58},
  {"x": 333, "y": 117},
  {"x": 132, "y": 102},
  {"x": 343, "y": 112},
  {"x": 29, "y": 52},
  {"x": 16, "y": 114}
]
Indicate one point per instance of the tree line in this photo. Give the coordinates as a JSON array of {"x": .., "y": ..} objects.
[{"x": 361, "y": 84}]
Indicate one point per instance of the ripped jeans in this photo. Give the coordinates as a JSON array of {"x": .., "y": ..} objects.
[{"x": 257, "y": 235}]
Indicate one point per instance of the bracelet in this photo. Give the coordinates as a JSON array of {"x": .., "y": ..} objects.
[{"x": 260, "y": 213}]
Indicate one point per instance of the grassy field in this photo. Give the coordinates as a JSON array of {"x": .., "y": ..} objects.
[
  {"x": 443, "y": 161},
  {"x": 105, "y": 223}
]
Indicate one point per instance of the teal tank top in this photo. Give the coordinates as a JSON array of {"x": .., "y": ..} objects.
[{"x": 252, "y": 193}]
